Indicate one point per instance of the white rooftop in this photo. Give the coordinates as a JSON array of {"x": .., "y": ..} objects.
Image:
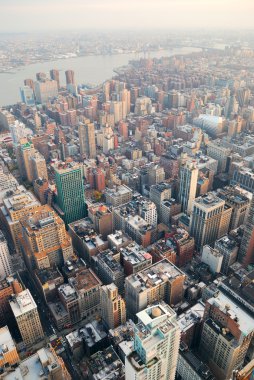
[
  {"x": 22, "y": 303},
  {"x": 6, "y": 341},
  {"x": 245, "y": 321},
  {"x": 36, "y": 367}
]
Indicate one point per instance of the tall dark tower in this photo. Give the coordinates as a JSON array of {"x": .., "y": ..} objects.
[
  {"x": 69, "y": 77},
  {"x": 54, "y": 74}
]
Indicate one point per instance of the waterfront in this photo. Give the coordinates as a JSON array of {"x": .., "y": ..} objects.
[{"x": 89, "y": 69}]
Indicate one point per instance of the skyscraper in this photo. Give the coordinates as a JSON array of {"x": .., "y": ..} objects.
[
  {"x": 156, "y": 345},
  {"x": 188, "y": 185},
  {"x": 23, "y": 153},
  {"x": 15, "y": 206},
  {"x": 87, "y": 139},
  {"x": 45, "y": 90},
  {"x": 246, "y": 252},
  {"x": 44, "y": 240},
  {"x": 226, "y": 335},
  {"x": 112, "y": 306},
  {"x": 210, "y": 219},
  {"x": 27, "y": 95},
  {"x": 70, "y": 191},
  {"x": 69, "y": 74},
  {"x": 27, "y": 317},
  {"x": 39, "y": 168},
  {"x": 30, "y": 83},
  {"x": 54, "y": 74},
  {"x": 5, "y": 258},
  {"x": 162, "y": 281}
]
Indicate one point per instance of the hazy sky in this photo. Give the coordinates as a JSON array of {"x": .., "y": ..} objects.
[{"x": 41, "y": 15}]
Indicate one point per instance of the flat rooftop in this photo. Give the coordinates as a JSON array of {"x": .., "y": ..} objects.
[
  {"x": 6, "y": 341},
  {"x": 22, "y": 303},
  {"x": 85, "y": 280},
  {"x": 37, "y": 366},
  {"x": 190, "y": 317},
  {"x": 163, "y": 271},
  {"x": 106, "y": 364},
  {"x": 135, "y": 254},
  {"x": 65, "y": 167},
  {"x": 225, "y": 304},
  {"x": 209, "y": 200}
]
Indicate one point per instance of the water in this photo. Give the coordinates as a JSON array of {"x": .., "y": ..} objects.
[{"x": 90, "y": 69}]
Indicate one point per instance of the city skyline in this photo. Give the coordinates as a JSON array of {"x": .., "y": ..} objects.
[{"x": 108, "y": 15}]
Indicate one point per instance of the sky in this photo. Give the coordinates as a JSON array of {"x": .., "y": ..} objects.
[{"x": 49, "y": 15}]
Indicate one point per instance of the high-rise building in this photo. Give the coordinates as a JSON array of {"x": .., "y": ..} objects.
[
  {"x": 101, "y": 217},
  {"x": 159, "y": 193},
  {"x": 210, "y": 218},
  {"x": 54, "y": 75},
  {"x": 112, "y": 306},
  {"x": 45, "y": 90},
  {"x": 39, "y": 168},
  {"x": 7, "y": 182},
  {"x": 108, "y": 268},
  {"x": 188, "y": 185},
  {"x": 69, "y": 74},
  {"x": 27, "y": 317},
  {"x": 44, "y": 241},
  {"x": 161, "y": 281},
  {"x": 18, "y": 131},
  {"x": 6, "y": 119},
  {"x": 216, "y": 150},
  {"x": 5, "y": 258},
  {"x": 10, "y": 285},
  {"x": 108, "y": 139},
  {"x": 30, "y": 83},
  {"x": 228, "y": 247},
  {"x": 70, "y": 191},
  {"x": 81, "y": 296},
  {"x": 87, "y": 140},
  {"x": 246, "y": 251},
  {"x": 41, "y": 76},
  {"x": 239, "y": 200},
  {"x": 14, "y": 207},
  {"x": 24, "y": 151},
  {"x": 27, "y": 95},
  {"x": 156, "y": 345},
  {"x": 99, "y": 177},
  {"x": 226, "y": 335},
  {"x": 120, "y": 195}
]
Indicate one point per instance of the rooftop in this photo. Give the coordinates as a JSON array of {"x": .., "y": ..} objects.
[
  {"x": 19, "y": 199},
  {"x": 22, "y": 303},
  {"x": 192, "y": 316},
  {"x": 65, "y": 167},
  {"x": 35, "y": 367},
  {"x": 161, "y": 272},
  {"x": 209, "y": 200},
  {"x": 135, "y": 254},
  {"x": 227, "y": 242},
  {"x": 229, "y": 307},
  {"x": 48, "y": 275},
  {"x": 6, "y": 341},
  {"x": 84, "y": 280},
  {"x": 106, "y": 365},
  {"x": 123, "y": 332}
]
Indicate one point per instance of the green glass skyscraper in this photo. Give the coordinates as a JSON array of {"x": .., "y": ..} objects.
[{"x": 70, "y": 191}]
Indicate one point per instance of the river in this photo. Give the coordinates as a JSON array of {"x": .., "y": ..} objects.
[{"x": 88, "y": 69}]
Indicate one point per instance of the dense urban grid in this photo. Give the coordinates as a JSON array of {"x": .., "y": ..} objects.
[{"x": 127, "y": 222}]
